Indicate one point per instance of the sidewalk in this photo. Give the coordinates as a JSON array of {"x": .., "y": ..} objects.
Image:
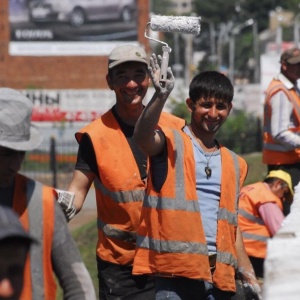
[{"x": 88, "y": 212}]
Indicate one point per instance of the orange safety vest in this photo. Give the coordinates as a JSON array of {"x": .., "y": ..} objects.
[
  {"x": 120, "y": 190},
  {"x": 254, "y": 231},
  {"x": 171, "y": 239},
  {"x": 34, "y": 203},
  {"x": 273, "y": 152}
]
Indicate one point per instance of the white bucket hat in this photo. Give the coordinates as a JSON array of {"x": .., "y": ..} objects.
[{"x": 16, "y": 130}]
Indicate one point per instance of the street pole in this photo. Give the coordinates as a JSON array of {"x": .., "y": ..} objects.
[
  {"x": 256, "y": 53},
  {"x": 231, "y": 57},
  {"x": 235, "y": 30},
  {"x": 296, "y": 30}
]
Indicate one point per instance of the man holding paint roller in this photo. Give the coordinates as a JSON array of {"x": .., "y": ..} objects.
[
  {"x": 109, "y": 157},
  {"x": 189, "y": 237}
]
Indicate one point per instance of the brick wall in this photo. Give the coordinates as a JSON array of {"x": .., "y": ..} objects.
[{"x": 56, "y": 72}]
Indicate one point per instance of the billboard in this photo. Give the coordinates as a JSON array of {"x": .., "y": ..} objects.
[
  {"x": 69, "y": 105},
  {"x": 70, "y": 27}
]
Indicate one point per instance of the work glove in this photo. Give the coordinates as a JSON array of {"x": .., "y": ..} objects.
[
  {"x": 66, "y": 200},
  {"x": 247, "y": 290},
  {"x": 69, "y": 213}
]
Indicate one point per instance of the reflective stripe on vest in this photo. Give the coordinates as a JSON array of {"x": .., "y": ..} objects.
[
  {"x": 255, "y": 237},
  {"x": 237, "y": 180},
  {"x": 280, "y": 86},
  {"x": 231, "y": 218},
  {"x": 250, "y": 217},
  {"x": 116, "y": 233},
  {"x": 120, "y": 196},
  {"x": 35, "y": 209},
  {"x": 270, "y": 145}
]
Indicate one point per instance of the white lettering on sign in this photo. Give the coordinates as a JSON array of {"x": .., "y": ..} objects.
[{"x": 34, "y": 34}]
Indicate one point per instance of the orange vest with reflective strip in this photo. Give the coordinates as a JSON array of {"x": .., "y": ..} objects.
[
  {"x": 171, "y": 239},
  {"x": 254, "y": 231},
  {"x": 274, "y": 153},
  {"x": 120, "y": 190},
  {"x": 34, "y": 203}
]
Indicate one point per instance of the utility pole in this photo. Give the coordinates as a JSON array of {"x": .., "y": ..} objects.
[{"x": 235, "y": 30}]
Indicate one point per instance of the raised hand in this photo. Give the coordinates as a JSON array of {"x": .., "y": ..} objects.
[{"x": 166, "y": 87}]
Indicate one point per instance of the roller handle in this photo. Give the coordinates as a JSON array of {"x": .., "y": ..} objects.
[{"x": 164, "y": 64}]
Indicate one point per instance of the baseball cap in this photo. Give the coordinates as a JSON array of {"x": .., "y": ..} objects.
[
  {"x": 16, "y": 130},
  {"x": 283, "y": 176},
  {"x": 290, "y": 56},
  {"x": 125, "y": 53},
  {"x": 10, "y": 226}
]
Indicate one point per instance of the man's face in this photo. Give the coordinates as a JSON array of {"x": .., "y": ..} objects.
[
  {"x": 10, "y": 161},
  {"x": 292, "y": 72},
  {"x": 130, "y": 82},
  {"x": 209, "y": 114},
  {"x": 13, "y": 257}
]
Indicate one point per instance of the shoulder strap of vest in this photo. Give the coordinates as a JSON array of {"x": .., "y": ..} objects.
[
  {"x": 291, "y": 94},
  {"x": 35, "y": 212}
]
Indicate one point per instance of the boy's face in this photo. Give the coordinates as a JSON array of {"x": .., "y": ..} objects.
[
  {"x": 10, "y": 161},
  {"x": 209, "y": 114},
  {"x": 129, "y": 81}
]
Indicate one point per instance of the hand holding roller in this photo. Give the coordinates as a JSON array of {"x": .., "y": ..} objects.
[{"x": 181, "y": 24}]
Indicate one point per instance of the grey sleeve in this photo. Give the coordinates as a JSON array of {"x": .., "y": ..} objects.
[
  {"x": 68, "y": 266},
  {"x": 282, "y": 120}
]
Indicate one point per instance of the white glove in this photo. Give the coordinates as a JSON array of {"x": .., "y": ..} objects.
[
  {"x": 69, "y": 213},
  {"x": 66, "y": 200}
]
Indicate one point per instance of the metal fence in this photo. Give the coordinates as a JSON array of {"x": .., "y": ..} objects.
[{"x": 52, "y": 163}]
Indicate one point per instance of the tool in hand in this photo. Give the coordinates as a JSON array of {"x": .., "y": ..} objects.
[
  {"x": 65, "y": 198},
  {"x": 181, "y": 24}
]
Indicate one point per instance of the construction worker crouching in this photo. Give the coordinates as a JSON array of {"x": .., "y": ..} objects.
[{"x": 261, "y": 214}]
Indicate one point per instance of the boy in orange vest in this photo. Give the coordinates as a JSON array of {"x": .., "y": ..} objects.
[{"x": 189, "y": 238}]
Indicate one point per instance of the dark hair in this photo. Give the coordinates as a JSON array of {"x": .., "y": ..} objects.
[
  {"x": 270, "y": 180},
  {"x": 211, "y": 84}
]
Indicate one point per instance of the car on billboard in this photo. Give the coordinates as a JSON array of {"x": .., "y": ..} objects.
[{"x": 79, "y": 12}]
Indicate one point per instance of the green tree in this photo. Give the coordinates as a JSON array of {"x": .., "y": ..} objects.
[
  {"x": 227, "y": 14},
  {"x": 241, "y": 132},
  {"x": 161, "y": 7}
]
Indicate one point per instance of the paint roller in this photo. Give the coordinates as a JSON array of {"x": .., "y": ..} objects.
[{"x": 180, "y": 24}]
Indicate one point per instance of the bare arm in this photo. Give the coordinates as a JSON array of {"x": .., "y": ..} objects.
[
  {"x": 244, "y": 265},
  {"x": 80, "y": 185},
  {"x": 149, "y": 140}
]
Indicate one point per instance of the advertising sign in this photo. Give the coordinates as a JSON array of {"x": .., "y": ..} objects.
[
  {"x": 70, "y": 27},
  {"x": 69, "y": 105}
]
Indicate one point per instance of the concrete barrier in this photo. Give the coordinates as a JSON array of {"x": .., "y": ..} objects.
[{"x": 282, "y": 264}]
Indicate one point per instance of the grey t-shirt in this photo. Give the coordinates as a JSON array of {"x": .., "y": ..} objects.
[{"x": 208, "y": 189}]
